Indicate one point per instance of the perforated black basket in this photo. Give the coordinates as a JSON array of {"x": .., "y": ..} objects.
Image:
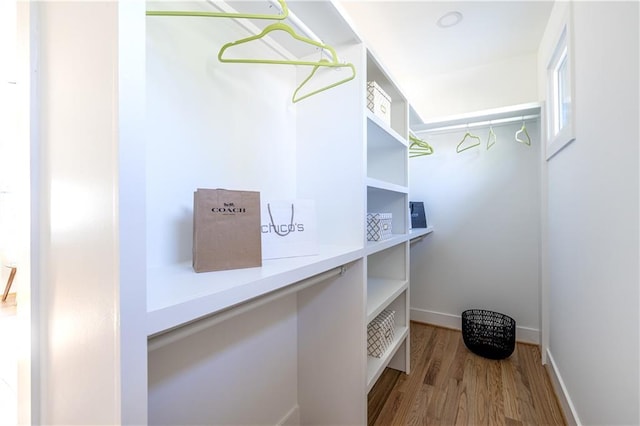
[{"x": 489, "y": 334}]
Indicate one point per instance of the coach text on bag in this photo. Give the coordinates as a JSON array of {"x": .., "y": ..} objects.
[{"x": 226, "y": 230}]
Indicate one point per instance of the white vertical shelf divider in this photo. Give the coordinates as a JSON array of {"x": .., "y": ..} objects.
[{"x": 387, "y": 192}]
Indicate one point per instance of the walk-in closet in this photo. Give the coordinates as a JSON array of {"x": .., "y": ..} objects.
[{"x": 526, "y": 167}]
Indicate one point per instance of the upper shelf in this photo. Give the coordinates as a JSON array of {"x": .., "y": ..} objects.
[
  {"x": 321, "y": 20},
  {"x": 417, "y": 234},
  {"x": 379, "y": 131},
  {"x": 494, "y": 114},
  {"x": 176, "y": 295},
  {"x": 399, "y": 104}
]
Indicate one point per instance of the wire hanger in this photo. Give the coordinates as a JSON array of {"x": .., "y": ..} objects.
[
  {"x": 491, "y": 139},
  {"x": 326, "y": 64},
  {"x": 418, "y": 147},
  {"x": 468, "y": 135},
  {"x": 279, "y": 26},
  {"x": 523, "y": 131},
  {"x": 279, "y": 16}
]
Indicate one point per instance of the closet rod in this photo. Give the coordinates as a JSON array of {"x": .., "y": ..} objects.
[
  {"x": 480, "y": 123},
  {"x": 166, "y": 337},
  {"x": 297, "y": 22}
]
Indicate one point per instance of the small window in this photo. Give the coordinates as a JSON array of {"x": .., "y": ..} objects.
[{"x": 560, "y": 116}]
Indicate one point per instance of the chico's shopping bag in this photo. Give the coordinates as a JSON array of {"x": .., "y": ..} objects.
[
  {"x": 226, "y": 230},
  {"x": 288, "y": 228}
]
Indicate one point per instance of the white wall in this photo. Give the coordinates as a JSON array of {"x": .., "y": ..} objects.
[
  {"x": 593, "y": 220},
  {"x": 484, "y": 206},
  {"x": 28, "y": 309},
  {"x": 79, "y": 263},
  {"x": 208, "y": 127},
  {"x": 497, "y": 84},
  {"x": 88, "y": 320},
  {"x": 14, "y": 157},
  {"x": 250, "y": 360}
]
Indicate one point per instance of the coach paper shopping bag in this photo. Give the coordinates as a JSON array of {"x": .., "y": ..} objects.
[{"x": 226, "y": 230}]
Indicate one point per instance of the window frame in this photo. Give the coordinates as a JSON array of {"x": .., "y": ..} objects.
[{"x": 561, "y": 91}]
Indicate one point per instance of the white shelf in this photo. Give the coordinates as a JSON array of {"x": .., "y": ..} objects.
[
  {"x": 494, "y": 114},
  {"x": 376, "y": 246},
  {"x": 386, "y": 186},
  {"x": 386, "y": 153},
  {"x": 375, "y": 366},
  {"x": 416, "y": 234},
  {"x": 382, "y": 130},
  {"x": 380, "y": 293},
  {"x": 387, "y": 182},
  {"x": 377, "y": 72},
  {"x": 177, "y": 295}
]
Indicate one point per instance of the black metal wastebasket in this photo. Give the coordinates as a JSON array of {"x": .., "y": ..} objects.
[{"x": 489, "y": 334}]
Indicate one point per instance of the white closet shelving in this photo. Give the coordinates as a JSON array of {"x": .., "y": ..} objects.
[
  {"x": 478, "y": 118},
  {"x": 221, "y": 340},
  {"x": 387, "y": 192},
  {"x": 284, "y": 343}
]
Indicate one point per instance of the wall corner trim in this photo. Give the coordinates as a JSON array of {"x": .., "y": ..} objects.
[
  {"x": 291, "y": 418},
  {"x": 568, "y": 409}
]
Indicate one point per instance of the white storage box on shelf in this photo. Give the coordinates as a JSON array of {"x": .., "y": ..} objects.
[
  {"x": 379, "y": 226},
  {"x": 380, "y": 333},
  {"x": 379, "y": 102}
]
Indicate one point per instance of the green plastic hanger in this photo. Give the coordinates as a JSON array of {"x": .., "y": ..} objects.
[
  {"x": 281, "y": 16},
  {"x": 464, "y": 138},
  {"x": 491, "y": 139},
  {"x": 278, "y": 26},
  {"x": 418, "y": 147},
  {"x": 523, "y": 131},
  {"x": 327, "y": 64}
]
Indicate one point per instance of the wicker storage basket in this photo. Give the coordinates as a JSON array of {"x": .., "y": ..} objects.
[{"x": 489, "y": 334}]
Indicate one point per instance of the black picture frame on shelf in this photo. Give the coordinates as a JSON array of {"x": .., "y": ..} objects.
[{"x": 418, "y": 216}]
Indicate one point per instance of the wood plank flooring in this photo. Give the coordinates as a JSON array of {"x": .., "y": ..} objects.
[{"x": 449, "y": 385}]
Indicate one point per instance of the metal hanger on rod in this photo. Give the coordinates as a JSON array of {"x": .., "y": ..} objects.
[
  {"x": 468, "y": 135},
  {"x": 522, "y": 135},
  {"x": 491, "y": 139}
]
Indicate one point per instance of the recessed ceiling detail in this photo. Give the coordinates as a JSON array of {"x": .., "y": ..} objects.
[{"x": 449, "y": 19}]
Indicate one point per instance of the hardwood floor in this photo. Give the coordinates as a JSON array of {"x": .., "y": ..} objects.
[{"x": 450, "y": 385}]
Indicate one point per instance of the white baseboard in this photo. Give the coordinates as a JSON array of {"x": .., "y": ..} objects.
[
  {"x": 292, "y": 418},
  {"x": 436, "y": 318},
  {"x": 527, "y": 335},
  {"x": 569, "y": 411},
  {"x": 523, "y": 334}
]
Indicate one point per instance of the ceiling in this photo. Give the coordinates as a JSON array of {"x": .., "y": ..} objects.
[{"x": 404, "y": 35}]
